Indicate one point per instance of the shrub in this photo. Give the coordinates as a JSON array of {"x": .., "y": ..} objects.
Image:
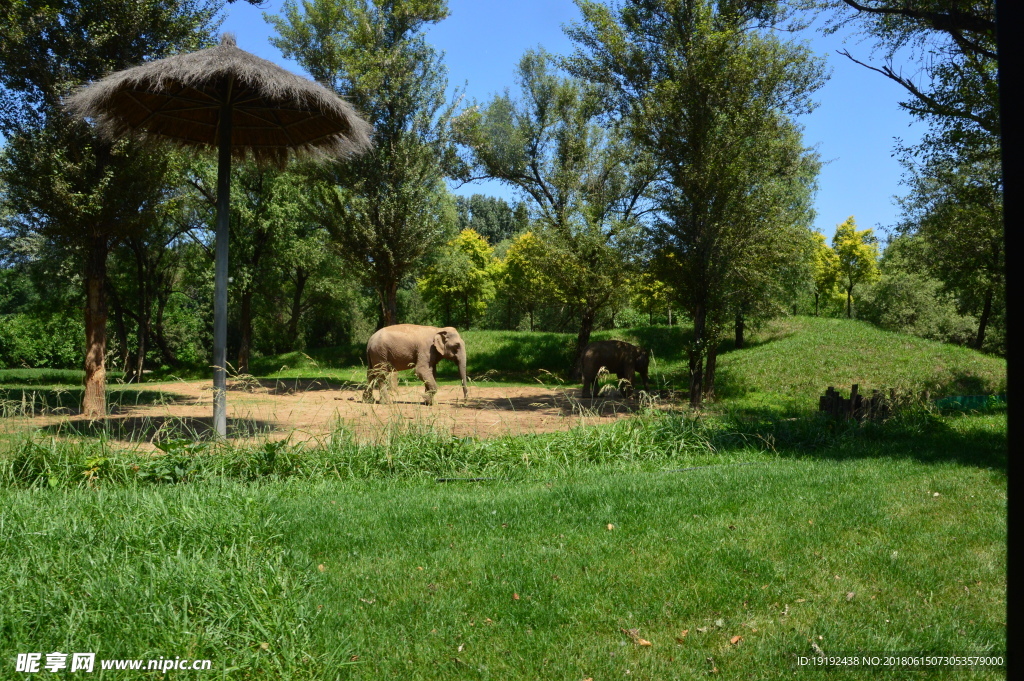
[{"x": 53, "y": 342}]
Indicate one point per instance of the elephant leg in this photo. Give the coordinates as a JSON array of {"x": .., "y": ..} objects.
[
  {"x": 375, "y": 377},
  {"x": 429, "y": 377},
  {"x": 368, "y": 392},
  {"x": 629, "y": 375},
  {"x": 589, "y": 382}
]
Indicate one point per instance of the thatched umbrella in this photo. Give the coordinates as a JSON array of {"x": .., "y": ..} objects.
[{"x": 241, "y": 104}]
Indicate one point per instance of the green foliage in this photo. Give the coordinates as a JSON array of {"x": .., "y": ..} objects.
[
  {"x": 491, "y": 217},
  {"x": 711, "y": 100},
  {"x": 460, "y": 282},
  {"x": 954, "y": 42},
  {"x": 584, "y": 181},
  {"x": 954, "y": 216},
  {"x": 857, "y": 256},
  {"x": 826, "y": 271},
  {"x": 390, "y": 207},
  {"x": 913, "y": 303},
  {"x": 53, "y": 341}
]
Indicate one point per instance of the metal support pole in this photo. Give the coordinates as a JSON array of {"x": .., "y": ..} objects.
[{"x": 220, "y": 280}]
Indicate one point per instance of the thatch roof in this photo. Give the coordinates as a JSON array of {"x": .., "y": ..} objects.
[{"x": 276, "y": 113}]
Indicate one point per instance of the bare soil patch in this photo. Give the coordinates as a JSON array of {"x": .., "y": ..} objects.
[{"x": 313, "y": 409}]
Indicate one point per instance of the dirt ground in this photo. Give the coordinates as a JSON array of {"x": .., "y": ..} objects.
[{"x": 312, "y": 409}]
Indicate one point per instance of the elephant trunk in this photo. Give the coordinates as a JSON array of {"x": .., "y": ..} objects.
[{"x": 462, "y": 374}]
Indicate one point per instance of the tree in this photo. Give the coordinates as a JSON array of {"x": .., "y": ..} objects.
[
  {"x": 522, "y": 275},
  {"x": 461, "y": 279},
  {"x": 857, "y": 255},
  {"x": 709, "y": 97},
  {"x": 825, "y": 272},
  {"x": 491, "y": 217},
  {"x": 64, "y": 183},
  {"x": 954, "y": 41},
  {"x": 955, "y": 208},
  {"x": 650, "y": 294},
  {"x": 390, "y": 207},
  {"x": 585, "y": 183}
]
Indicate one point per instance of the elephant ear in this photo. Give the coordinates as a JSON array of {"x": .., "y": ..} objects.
[{"x": 439, "y": 339}]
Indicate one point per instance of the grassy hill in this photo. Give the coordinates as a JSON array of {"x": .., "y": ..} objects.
[{"x": 795, "y": 357}]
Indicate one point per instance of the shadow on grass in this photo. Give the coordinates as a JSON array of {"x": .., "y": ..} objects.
[
  {"x": 290, "y": 386},
  {"x": 919, "y": 434},
  {"x": 156, "y": 428},
  {"x": 566, "y": 402},
  {"x": 963, "y": 383},
  {"x": 68, "y": 401}
]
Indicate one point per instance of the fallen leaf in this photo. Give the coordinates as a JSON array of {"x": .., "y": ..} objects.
[
  {"x": 635, "y": 635},
  {"x": 610, "y": 526},
  {"x": 936, "y": 494},
  {"x": 735, "y": 639},
  {"x": 800, "y": 600},
  {"x": 418, "y": 567},
  {"x": 719, "y": 623},
  {"x": 850, "y": 595},
  {"x": 732, "y": 527},
  {"x": 371, "y": 601},
  {"x": 265, "y": 645},
  {"x": 515, "y": 597},
  {"x": 321, "y": 567},
  {"x": 353, "y": 658},
  {"x": 488, "y": 620},
  {"x": 460, "y": 648},
  {"x": 810, "y": 522},
  {"x": 702, "y": 630},
  {"x": 817, "y": 651},
  {"x": 682, "y": 635}
]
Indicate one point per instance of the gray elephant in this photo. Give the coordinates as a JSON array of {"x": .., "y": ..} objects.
[
  {"x": 623, "y": 359},
  {"x": 409, "y": 346}
]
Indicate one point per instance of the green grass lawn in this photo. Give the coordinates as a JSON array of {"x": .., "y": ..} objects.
[
  {"x": 359, "y": 579},
  {"x": 758, "y": 519}
]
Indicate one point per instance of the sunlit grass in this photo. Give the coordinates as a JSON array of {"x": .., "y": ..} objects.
[{"x": 343, "y": 557}]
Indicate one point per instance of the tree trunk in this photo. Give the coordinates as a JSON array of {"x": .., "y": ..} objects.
[
  {"x": 708, "y": 388},
  {"x": 388, "y": 294},
  {"x": 986, "y": 312},
  {"x": 142, "y": 314},
  {"x": 582, "y": 339},
  {"x": 816, "y": 295},
  {"x": 245, "y": 330},
  {"x": 670, "y": 315},
  {"x": 158, "y": 333},
  {"x": 697, "y": 356},
  {"x": 531, "y": 319},
  {"x": 849, "y": 303},
  {"x": 301, "y": 277},
  {"x": 121, "y": 329},
  {"x": 740, "y": 325},
  {"x": 467, "y": 311},
  {"x": 94, "y": 404}
]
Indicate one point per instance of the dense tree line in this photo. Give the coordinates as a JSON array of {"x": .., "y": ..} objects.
[{"x": 659, "y": 176}]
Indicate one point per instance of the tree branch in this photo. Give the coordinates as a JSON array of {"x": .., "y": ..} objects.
[{"x": 930, "y": 103}]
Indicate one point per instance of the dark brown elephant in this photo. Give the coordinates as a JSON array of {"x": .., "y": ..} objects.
[
  {"x": 623, "y": 359},
  {"x": 409, "y": 346}
]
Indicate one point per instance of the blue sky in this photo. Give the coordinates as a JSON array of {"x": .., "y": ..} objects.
[{"x": 854, "y": 127}]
